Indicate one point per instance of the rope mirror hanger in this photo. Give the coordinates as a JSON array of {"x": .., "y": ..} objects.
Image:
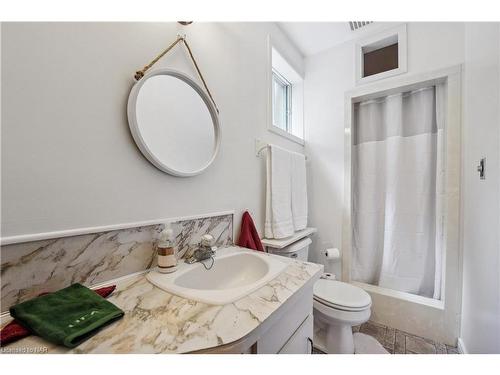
[{"x": 180, "y": 38}]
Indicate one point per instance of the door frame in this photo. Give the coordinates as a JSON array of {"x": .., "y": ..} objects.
[{"x": 434, "y": 319}]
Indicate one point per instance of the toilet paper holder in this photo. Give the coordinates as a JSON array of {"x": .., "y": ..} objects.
[{"x": 332, "y": 254}]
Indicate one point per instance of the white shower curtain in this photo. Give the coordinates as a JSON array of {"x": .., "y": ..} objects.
[{"x": 398, "y": 187}]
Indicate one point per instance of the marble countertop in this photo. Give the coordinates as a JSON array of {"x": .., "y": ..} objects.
[{"x": 159, "y": 322}]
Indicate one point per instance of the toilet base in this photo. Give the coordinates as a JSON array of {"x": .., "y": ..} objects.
[
  {"x": 332, "y": 338},
  {"x": 339, "y": 339},
  {"x": 333, "y": 333}
]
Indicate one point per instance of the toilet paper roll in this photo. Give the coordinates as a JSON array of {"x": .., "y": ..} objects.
[
  {"x": 328, "y": 276},
  {"x": 333, "y": 253}
]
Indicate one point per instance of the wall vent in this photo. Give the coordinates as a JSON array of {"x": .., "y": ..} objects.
[{"x": 356, "y": 25}]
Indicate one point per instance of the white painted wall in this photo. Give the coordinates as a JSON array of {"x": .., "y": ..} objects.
[
  {"x": 328, "y": 76},
  {"x": 68, "y": 159},
  {"x": 430, "y": 46},
  {"x": 481, "y": 214}
]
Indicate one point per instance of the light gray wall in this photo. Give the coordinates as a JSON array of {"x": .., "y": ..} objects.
[
  {"x": 68, "y": 159},
  {"x": 481, "y": 247},
  {"x": 328, "y": 76}
]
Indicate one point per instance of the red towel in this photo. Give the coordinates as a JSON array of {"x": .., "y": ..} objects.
[
  {"x": 249, "y": 237},
  {"x": 15, "y": 331}
]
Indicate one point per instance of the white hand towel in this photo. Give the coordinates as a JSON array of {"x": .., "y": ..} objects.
[
  {"x": 279, "y": 220},
  {"x": 299, "y": 191}
]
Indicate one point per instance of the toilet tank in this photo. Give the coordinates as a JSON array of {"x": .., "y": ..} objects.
[{"x": 298, "y": 250}]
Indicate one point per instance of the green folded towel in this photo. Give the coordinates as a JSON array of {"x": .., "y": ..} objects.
[{"x": 67, "y": 317}]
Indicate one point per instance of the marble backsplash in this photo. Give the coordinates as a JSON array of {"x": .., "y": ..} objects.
[{"x": 30, "y": 268}]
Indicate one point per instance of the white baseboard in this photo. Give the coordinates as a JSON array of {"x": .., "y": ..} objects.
[{"x": 461, "y": 346}]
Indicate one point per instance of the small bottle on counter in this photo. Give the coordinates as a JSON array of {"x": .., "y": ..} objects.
[{"x": 167, "y": 257}]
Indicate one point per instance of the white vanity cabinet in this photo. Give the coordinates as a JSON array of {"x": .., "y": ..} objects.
[
  {"x": 288, "y": 330},
  {"x": 292, "y": 331}
]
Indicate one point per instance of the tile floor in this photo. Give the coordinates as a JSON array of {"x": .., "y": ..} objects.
[{"x": 399, "y": 342}]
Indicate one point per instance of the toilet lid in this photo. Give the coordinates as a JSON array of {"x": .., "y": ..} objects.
[{"x": 343, "y": 295}]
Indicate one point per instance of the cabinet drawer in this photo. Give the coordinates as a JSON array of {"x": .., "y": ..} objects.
[
  {"x": 301, "y": 340},
  {"x": 281, "y": 331}
]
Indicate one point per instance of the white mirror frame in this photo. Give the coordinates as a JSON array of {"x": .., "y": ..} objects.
[{"x": 134, "y": 126}]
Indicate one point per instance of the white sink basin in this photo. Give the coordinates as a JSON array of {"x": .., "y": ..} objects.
[{"x": 235, "y": 274}]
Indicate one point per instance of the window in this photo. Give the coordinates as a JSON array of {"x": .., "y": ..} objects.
[
  {"x": 282, "y": 102},
  {"x": 381, "y": 56},
  {"x": 286, "y": 99},
  {"x": 380, "y": 60}
]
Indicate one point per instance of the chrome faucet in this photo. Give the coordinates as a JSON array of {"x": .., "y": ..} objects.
[{"x": 206, "y": 250}]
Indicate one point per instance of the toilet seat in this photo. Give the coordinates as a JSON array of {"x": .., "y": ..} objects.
[
  {"x": 341, "y": 296},
  {"x": 339, "y": 307}
]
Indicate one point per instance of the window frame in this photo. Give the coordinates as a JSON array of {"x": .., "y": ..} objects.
[
  {"x": 277, "y": 76},
  {"x": 397, "y": 33},
  {"x": 296, "y": 98}
]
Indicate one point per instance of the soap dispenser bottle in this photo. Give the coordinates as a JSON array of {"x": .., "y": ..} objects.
[{"x": 167, "y": 257}]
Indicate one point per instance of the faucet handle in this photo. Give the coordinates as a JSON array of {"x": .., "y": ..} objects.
[{"x": 207, "y": 240}]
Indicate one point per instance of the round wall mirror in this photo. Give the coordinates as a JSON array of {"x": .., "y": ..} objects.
[{"x": 173, "y": 122}]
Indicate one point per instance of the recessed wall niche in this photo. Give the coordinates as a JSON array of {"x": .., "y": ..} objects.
[{"x": 382, "y": 55}]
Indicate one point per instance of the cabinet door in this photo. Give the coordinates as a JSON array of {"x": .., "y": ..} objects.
[
  {"x": 285, "y": 325},
  {"x": 301, "y": 340}
]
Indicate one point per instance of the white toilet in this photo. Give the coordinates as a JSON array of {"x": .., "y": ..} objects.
[{"x": 337, "y": 306}]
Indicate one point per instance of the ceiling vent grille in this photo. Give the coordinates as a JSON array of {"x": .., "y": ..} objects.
[{"x": 356, "y": 25}]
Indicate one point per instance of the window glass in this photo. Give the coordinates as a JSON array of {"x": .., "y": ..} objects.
[
  {"x": 281, "y": 102},
  {"x": 286, "y": 100}
]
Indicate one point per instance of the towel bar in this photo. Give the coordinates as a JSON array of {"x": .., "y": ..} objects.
[{"x": 261, "y": 145}]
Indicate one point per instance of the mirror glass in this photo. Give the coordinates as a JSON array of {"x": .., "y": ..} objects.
[{"x": 174, "y": 123}]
